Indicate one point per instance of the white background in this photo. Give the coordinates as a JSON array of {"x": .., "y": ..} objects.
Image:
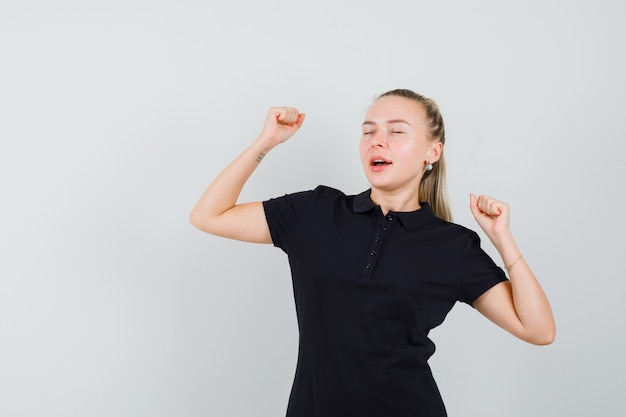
[{"x": 115, "y": 115}]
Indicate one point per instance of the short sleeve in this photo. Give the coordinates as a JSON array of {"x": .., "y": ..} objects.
[
  {"x": 478, "y": 271},
  {"x": 283, "y": 215}
]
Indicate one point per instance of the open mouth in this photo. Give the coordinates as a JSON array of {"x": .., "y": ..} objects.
[{"x": 379, "y": 162}]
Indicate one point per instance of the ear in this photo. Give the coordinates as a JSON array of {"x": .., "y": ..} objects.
[{"x": 435, "y": 152}]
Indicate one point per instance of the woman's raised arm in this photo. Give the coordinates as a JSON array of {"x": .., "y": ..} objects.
[
  {"x": 217, "y": 211},
  {"x": 519, "y": 306}
]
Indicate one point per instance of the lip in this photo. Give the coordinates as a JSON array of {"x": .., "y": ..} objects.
[
  {"x": 381, "y": 167},
  {"x": 379, "y": 158}
]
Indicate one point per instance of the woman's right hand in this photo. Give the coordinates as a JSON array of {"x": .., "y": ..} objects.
[
  {"x": 217, "y": 211},
  {"x": 281, "y": 123}
]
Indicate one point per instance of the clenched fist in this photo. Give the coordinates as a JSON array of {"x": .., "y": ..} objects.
[
  {"x": 281, "y": 123},
  {"x": 492, "y": 215}
]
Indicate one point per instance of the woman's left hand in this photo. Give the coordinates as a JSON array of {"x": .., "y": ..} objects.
[
  {"x": 491, "y": 215},
  {"x": 518, "y": 305}
]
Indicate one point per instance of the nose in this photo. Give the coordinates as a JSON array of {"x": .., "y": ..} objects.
[{"x": 378, "y": 140}]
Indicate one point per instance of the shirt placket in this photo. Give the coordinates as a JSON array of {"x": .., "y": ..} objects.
[{"x": 383, "y": 225}]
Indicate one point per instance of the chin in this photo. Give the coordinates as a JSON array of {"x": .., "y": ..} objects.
[{"x": 381, "y": 185}]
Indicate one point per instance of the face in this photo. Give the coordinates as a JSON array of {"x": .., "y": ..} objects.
[{"x": 395, "y": 146}]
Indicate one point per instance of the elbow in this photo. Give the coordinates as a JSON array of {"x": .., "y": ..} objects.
[
  {"x": 193, "y": 219},
  {"x": 549, "y": 338},
  {"x": 543, "y": 339},
  {"x": 198, "y": 221},
  {"x": 205, "y": 223}
]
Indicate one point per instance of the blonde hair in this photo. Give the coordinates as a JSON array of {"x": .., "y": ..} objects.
[{"x": 432, "y": 188}]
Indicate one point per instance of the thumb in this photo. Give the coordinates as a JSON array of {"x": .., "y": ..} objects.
[
  {"x": 300, "y": 120},
  {"x": 474, "y": 206}
]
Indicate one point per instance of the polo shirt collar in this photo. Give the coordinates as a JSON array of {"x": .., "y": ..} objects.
[{"x": 409, "y": 219}]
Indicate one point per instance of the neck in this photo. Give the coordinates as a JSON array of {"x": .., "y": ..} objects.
[{"x": 395, "y": 201}]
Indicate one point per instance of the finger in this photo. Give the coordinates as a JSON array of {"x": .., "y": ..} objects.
[
  {"x": 491, "y": 206},
  {"x": 300, "y": 120},
  {"x": 485, "y": 204},
  {"x": 476, "y": 213},
  {"x": 278, "y": 114},
  {"x": 288, "y": 115},
  {"x": 474, "y": 205},
  {"x": 285, "y": 116}
]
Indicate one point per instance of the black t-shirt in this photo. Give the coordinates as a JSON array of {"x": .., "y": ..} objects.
[{"x": 368, "y": 289}]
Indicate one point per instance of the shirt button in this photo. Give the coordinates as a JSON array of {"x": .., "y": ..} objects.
[
  {"x": 373, "y": 253},
  {"x": 377, "y": 239},
  {"x": 384, "y": 229},
  {"x": 390, "y": 217},
  {"x": 368, "y": 266}
]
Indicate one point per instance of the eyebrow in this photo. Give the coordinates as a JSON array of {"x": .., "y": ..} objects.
[{"x": 392, "y": 121}]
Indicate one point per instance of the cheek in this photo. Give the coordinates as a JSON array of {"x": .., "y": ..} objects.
[
  {"x": 410, "y": 155},
  {"x": 362, "y": 151}
]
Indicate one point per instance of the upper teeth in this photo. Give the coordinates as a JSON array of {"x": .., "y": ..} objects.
[{"x": 378, "y": 160}]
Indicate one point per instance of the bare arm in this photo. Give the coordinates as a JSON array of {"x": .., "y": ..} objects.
[
  {"x": 519, "y": 306},
  {"x": 217, "y": 211}
]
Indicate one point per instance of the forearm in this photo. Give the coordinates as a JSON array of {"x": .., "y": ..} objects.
[
  {"x": 217, "y": 211},
  {"x": 222, "y": 194},
  {"x": 529, "y": 300}
]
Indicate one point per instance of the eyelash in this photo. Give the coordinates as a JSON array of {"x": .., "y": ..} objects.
[{"x": 393, "y": 131}]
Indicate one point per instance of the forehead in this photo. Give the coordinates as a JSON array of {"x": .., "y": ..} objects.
[{"x": 394, "y": 107}]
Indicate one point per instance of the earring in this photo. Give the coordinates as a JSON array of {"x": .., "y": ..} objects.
[{"x": 429, "y": 167}]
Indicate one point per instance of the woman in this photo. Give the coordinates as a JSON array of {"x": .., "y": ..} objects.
[{"x": 375, "y": 272}]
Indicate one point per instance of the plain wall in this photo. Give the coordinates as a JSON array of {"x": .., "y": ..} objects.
[{"x": 115, "y": 115}]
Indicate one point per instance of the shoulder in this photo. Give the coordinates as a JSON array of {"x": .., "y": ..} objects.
[
  {"x": 320, "y": 196},
  {"x": 455, "y": 238},
  {"x": 307, "y": 209},
  {"x": 322, "y": 192},
  {"x": 450, "y": 228},
  {"x": 329, "y": 192}
]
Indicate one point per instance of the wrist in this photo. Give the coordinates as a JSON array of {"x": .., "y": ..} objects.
[
  {"x": 507, "y": 248},
  {"x": 510, "y": 266},
  {"x": 502, "y": 239},
  {"x": 261, "y": 146}
]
